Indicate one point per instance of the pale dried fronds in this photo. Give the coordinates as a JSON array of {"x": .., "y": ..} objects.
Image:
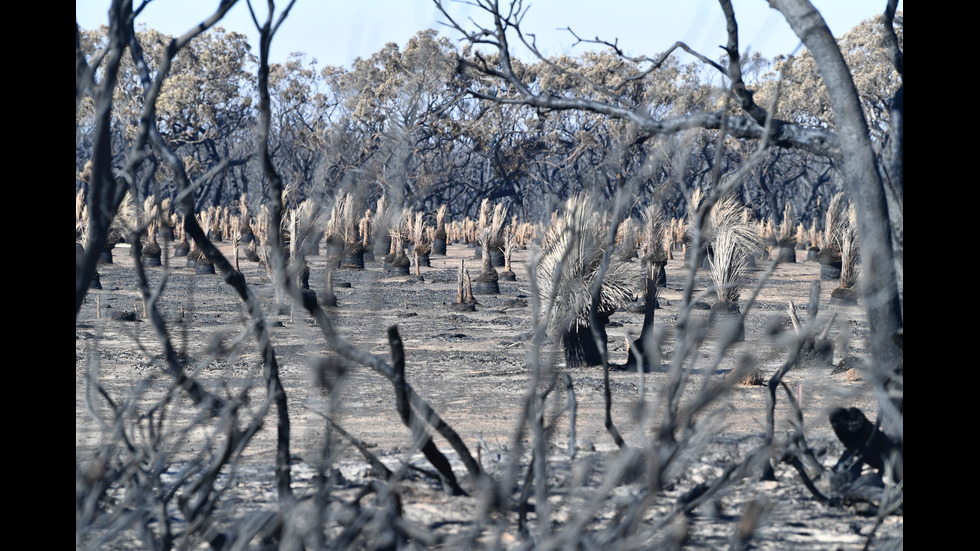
[
  {"x": 81, "y": 213},
  {"x": 350, "y": 216},
  {"x": 149, "y": 209},
  {"x": 226, "y": 228},
  {"x": 127, "y": 217},
  {"x": 205, "y": 219},
  {"x": 380, "y": 210},
  {"x": 728, "y": 265},
  {"x": 814, "y": 235},
  {"x": 397, "y": 243},
  {"x": 483, "y": 219},
  {"x": 697, "y": 199},
  {"x": 848, "y": 242},
  {"x": 214, "y": 223},
  {"x": 727, "y": 214},
  {"x": 786, "y": 228},
  {"x": 243, "y": 209},
  {"x": 407, "y": 223},
  {"x": 387, "y": 217},
  {"x": 421, "y": 236},
  {"x": 524, "y": 234},
  {"x": 305, "y": 226},
  {"x": 836, "y": 218},
  {"x": 497, "y": 226},
  {"x": 569, "y": 265},
  {"x": 441, "y": 222},
  {"x": 293, "y": 237},
  {"x": 554, "y": 227},
  {"x": 762, "y": 230},
  {"x": 655, "y": 236},
  {"x": 261, "y": 229},
  {"x": 469, "y": 231},
  {"x": 151, "y": 218},
  {"x": 335, "y": 221},
  {"x": 627, "y": 239}
]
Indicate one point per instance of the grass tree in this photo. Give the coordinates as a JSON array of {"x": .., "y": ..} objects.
[
  {"x": 396, "y": 261},
  {"x": 366, "y": 226},
  {"x": 422, "y": 240},
  {"x": 486, "y": 282},
  {"x": 151, "y": 252},
  {"x": 847, "y": 241},
  {"x": 733, "y": 240},
  {"x": 787, "y": 239},
  {"x": 626, "y": 239},
  {"x": 567, "y": 274},
  {"x": 694, "y": 211},
  {"x": 830, "y": 256},
  {"x": 309, "y": 227},
  {"x": 465, "y": 302},
  {"x": 656, "y": 242},
  {"x": 246, "y": 243},
  {"x": 334, "y": 231},
  {"x": 440, "y": 237},
  {"x": 351, "y": 214}
]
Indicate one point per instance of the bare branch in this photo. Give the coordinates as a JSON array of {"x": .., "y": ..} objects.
[
  {"x": 783, "y": 134},
  {"x": 742, "y": 94}
]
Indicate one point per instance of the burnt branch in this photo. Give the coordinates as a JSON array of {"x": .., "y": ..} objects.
[
  {"x": 429, "y": 449},
  {"x": 742, "y": 94}
]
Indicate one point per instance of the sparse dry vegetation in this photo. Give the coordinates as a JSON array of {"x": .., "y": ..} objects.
[{"x": 321, "y": 400}]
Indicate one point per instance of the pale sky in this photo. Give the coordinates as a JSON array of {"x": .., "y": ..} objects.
[{"x": 335, "y": 32}]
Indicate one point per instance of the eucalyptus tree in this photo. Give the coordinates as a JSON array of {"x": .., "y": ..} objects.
[
  {"x": 204, "y": 107},
  {"x": 303, "y": 108},
  {"x": 396, "y": 104}
]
